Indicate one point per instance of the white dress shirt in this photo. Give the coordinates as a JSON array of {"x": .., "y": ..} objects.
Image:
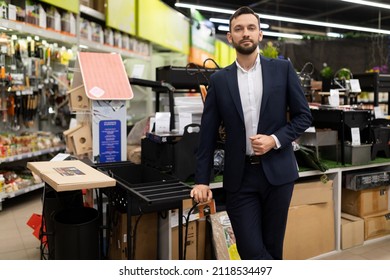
[{"x": 250, "y": 85}]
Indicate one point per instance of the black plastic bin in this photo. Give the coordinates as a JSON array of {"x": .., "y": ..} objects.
[
  {"x": 77, "y": 234},
  {"x": 53, "y": 202}
]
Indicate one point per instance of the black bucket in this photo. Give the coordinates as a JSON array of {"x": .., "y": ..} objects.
[
  {"x": 77, "y": 234},
  {"x": 54, "y": 202}
]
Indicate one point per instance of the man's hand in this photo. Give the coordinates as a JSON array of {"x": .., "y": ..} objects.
[
  {"x": 261, "y": 143},
  {"x": 201, "y": 193}
]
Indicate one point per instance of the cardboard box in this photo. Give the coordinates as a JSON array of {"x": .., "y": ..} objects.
[
  {"x": 201, "y": 239},
  {"x": 377, "y": 225},
  {"x": 364, "y": 202},
  {"x": 352, "y": 231},
  {"x": 145, "y": 243},
  {"x": 69, "y": 175},
  {"x": 190, "y": 245},
  {"x": 310, "y": 226},
  {"x": 195, "y": 246},
  {"x": 312, "y": 192},
  {"x": 200, "y": 211}
]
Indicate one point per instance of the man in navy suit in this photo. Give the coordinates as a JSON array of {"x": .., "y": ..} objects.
[{"x": 263, "y": 108}]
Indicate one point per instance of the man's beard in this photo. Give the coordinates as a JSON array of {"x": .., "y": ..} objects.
[{"x": 244, "y": 50}]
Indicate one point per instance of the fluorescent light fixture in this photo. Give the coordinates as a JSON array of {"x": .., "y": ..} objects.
[
  {"x": 369, "y": 3},
  {"x": 83, "y": 47},
  {"x": 226, "y": 21},
  {"x": 334, "y": 35},
  {"x": 268, "y": 33},
  {"x": 288, "y": 19},
  {"x": 282, "y": 35}
]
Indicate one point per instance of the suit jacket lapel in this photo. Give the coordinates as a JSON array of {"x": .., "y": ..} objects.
[
  {"x": 268, "y": 72},
  {"x": 231, "y": 77}
]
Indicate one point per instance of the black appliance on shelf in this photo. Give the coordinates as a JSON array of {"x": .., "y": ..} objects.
[{"x": 343, "y": 121}]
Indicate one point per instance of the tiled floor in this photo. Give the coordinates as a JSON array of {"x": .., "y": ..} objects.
[
  {"x": 16, "y": 239},
  {"x": 18, "y": 243}
]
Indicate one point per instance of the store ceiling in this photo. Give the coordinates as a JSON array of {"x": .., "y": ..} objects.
[{"x": 332, "y": 11}]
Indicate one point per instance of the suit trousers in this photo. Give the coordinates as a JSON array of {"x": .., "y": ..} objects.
[{"x": 258, "y": 214}]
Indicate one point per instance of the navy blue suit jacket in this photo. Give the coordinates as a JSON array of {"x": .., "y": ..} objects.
[{"x": 282, "y": 97}]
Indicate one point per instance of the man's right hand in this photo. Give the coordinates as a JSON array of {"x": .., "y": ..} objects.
[{"x": 201, "y": 193}]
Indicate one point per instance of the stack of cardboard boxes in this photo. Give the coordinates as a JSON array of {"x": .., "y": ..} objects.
[
  {"x": 195, "y": 242},
  {"x": 365, "y": 215},
  {"x": 310, "y": 228}
]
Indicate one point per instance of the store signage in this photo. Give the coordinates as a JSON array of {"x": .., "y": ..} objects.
[
  {"x": 69, "y": 5},
  {"x": 164, "y": 26},
  {"x": 121, "y": 15}
]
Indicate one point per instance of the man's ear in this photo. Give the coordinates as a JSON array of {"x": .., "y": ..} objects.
[
  {"x": 229, "y": 37},
  {"x": 260, "y": 36}
]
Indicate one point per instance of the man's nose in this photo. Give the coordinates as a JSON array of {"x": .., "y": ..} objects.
[{"x": 246, "y": 32}]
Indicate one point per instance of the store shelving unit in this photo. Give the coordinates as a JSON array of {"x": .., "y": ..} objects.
[
  {"x": 74, "y": 42},
  {"x": 4, "y": 195},
  {"x": 32, "y": 154},
  {"x": 376, "y": 83},
  {"x": 336, "y": 175},
  {"x": 21, "y": 157}
]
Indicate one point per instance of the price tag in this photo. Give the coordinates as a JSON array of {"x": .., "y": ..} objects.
[
  {"x": 311, "y": 129},
  {"x": 334, "y": 98},
  {"x": 184, "y": 119},
  {"x": 60, "y": 157},
  {"x": 355, "y": 85},
  {"x": 355, "y": 132},
  {"x": 138, "y": 71},
  {"x": 162, "y": 122},
  {"x": 378, "y": 113}
]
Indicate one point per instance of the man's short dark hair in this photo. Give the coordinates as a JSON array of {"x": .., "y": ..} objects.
[{"x": 242, "y": 11}]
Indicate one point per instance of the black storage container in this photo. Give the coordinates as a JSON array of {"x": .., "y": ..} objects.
[
  {"x": 77, "y": 234},
  {"x": 53, "y": 202}
]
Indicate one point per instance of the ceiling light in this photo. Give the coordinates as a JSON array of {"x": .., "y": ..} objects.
[
  {"x": 268, "y": 33},
  {"x": 282, "y": 35},
  {"x": 369, "y": 3},
  {"x": 334, "y": 35},
  {"x": 287, "y": 19},
  {"x": 226, "y": 21}
]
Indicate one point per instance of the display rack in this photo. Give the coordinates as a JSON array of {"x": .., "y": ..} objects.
[
  {"x": 375, "y": 82},
  {"x": 141, "y": 189},
  {"x": 4, "y": 195},
  {"x": 32, "y": 154}
]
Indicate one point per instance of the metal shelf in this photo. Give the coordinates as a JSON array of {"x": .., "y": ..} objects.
[
  {"x": 28, "y": 29},
  {"x": 92, "y": 13},
  {"x": 95, "y": 46},
  {"x": 32, "y": 154},
  {"x": 22, "y": 28},
  {"x": 4, "y": 195}
]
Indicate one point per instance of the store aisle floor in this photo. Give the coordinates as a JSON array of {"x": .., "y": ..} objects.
[{"x": 18, "y": 243}]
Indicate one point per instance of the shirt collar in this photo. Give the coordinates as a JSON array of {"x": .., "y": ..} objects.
[{"x": 253, "y": 68}]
